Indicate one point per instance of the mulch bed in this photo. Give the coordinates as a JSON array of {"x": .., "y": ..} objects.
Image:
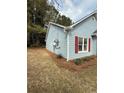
[{"x": 70, "y": 65}]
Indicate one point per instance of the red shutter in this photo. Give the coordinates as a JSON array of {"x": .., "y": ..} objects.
[
  {"x": 89, "y": 45},
  {"x": 76, "y": 44}
]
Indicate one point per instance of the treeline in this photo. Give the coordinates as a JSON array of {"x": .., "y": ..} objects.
[{"x": 39, "y": 14}]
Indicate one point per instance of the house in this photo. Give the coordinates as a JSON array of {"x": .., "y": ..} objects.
[{"x": 75, "y": 41}]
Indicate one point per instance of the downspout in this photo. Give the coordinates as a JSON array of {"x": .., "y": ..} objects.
[
  {"x": 68, "y": 33},
  {"x": 67, "y": 46}
]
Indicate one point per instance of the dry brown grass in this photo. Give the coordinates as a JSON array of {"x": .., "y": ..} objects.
[{"x": 45, "y": 76}]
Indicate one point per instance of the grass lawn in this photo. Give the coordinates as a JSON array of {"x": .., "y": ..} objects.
[{"x": 45, "y": 76}]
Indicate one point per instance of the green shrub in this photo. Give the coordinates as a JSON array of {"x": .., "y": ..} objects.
[
  {"x": 77, "y": 61},
  {"x": 59, "y": 56}
]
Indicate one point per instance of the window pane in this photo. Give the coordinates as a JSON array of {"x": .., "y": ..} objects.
[
  {"x": 85, "y": 47},
  {"x": 85, "y": 44},
  {"x": 85, "y": 41},
  {"x": 80, "y": 44},
  {"x": 80, "y": 47},
  {"x": 80, "y": 40}
]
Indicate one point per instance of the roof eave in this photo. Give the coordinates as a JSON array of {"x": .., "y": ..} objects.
[
  {"x": 85, "y": 17},
  {"x": 57, "y": 25}
]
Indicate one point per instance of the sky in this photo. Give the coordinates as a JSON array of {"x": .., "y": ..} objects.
[{"x": 76, "y": 9}]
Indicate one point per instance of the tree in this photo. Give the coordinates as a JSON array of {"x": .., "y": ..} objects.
[
  {"x": 40, "y": 13},
  {"x": 38, "y": 9},
  {"x": 63, "y": 20},
  {"x": 58, "y": 3}
]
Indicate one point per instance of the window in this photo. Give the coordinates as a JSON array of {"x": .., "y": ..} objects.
[
  {"x": 85, "y": 44},
  {"x": 82, "y": 44}
]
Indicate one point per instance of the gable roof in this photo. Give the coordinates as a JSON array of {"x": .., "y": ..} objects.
[
  {"x": 76, "y": 23},
  {"x": 68, "y": 28},
  {"x": 85, "y": 17},
  {"x": 51, "y": 23}
]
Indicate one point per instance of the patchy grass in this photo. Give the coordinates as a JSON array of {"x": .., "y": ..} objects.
[{"x": 46, "y": 76}]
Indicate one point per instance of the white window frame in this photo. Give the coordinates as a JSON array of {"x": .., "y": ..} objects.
[{"x": 82, "y": 45}]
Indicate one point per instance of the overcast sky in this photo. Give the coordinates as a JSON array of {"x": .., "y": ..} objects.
[{"x": 76, "y": 9}]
